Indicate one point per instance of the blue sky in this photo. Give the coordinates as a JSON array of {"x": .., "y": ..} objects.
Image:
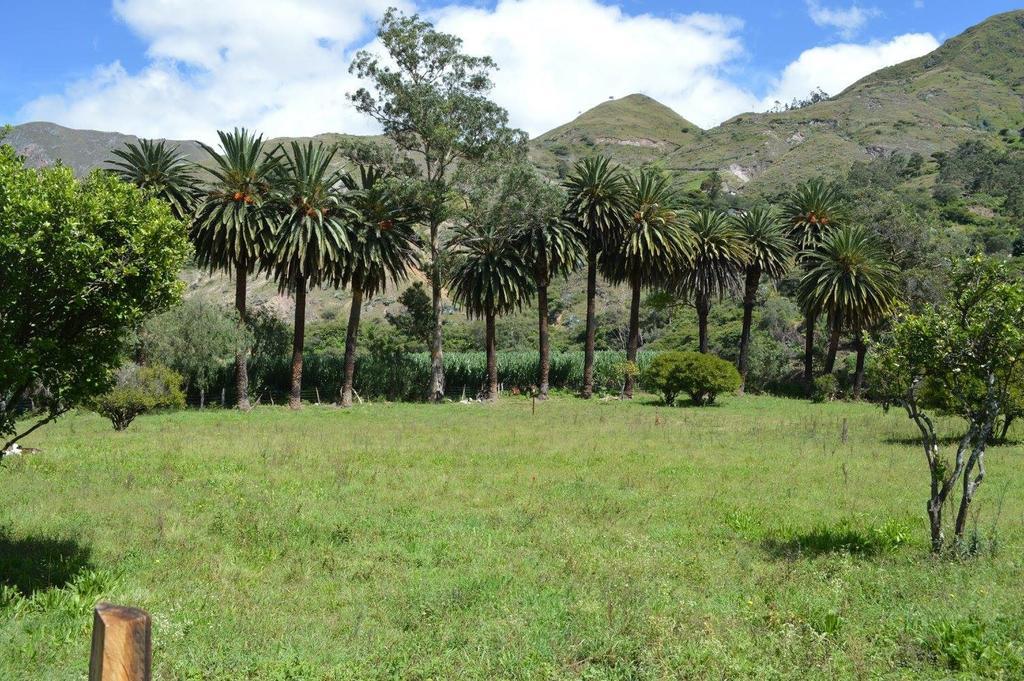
[{"x": 183, "y": 67}]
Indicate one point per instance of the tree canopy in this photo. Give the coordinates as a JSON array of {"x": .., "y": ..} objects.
[{"x": 82, "y": 263}]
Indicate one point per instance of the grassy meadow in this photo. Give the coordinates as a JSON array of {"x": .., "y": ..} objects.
[{"x": 600, "y": 540}]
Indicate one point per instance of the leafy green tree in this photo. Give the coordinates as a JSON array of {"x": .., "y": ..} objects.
[
  {"x": 416, "y": 321},
  {"x": 383, "y": 247},
  {"x": 82, "y": 263},
  {"x": 720, "y": 256},
  {"x": 811, "y": 210},
  {"x": 159, "y": 170},
  {"x": 850, "y": 278},
  {"x": 233, "y": 230},
  {"x": 654, "y": 246},
  {"x": 138, "y": 390},
  {"x": 431, "y": 99},
  {"x": 596, "y": 205},
  {"x": 491, "y": 277},
  {"x": 967, "y": 349},
  {"x": 312, "y": 244},
  {"x": 770, "y": 254},
  {"x": 198, "y": 339}
]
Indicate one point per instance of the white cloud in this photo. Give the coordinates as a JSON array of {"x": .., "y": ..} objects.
[
  {"x": 836, "y": 67},
  {"x": 560, "y": 56},
  {"x": 281, "y": 66},
  {"x": 847, "y": 20}
]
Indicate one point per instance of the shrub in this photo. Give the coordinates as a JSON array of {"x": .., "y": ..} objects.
[
  {"x": 139, "y": 389},
  {"x": 702, "y": 377},
  {"x": 826, "y": 388}
]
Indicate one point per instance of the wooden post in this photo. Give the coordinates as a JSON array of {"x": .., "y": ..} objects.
[
  {"x": 223, "y": 397},
  {"x": 122, "y": 644},
  {"x": 317, "y": 389}
]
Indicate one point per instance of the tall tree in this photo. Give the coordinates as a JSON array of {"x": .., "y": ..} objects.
[
  {"x": 490, "y": 278},
  {"x": 771, "y": 255},
  {"x": 849, "y": 278},
  {"x": 720, "y": 255},
  {"x": 383, "y": 247},
  {"x": 655, "y": 244},
  {"x": 233, "y": 229},
  {"x": 811, "y": 210},
  {"x": 160, "y": 171},
  {"x": 431, "y": 99},
  {"x": 966, "y": 350},
  {"x": 596, "y": 204},
  {"x": 312, "y": 240}
]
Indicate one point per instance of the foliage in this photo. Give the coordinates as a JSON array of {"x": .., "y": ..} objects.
[
  {"x": 655, "y": 242},
  {"x": 416, "y": 321},
  {"x": 430, "y": 97},
  {"x": 969, "y": 350},
  {"x": 234, "y": 225},
  {"x": 198, "y": 339},
  {"x": 812, "y": 209},
  {"x": 720, "y": 254},
  {"x": 701, "y": 376},
  {"x": 596, "y": 201},
  {"x": 313, "y": 214},
  {"x": 160, "y": 171},
  {"x": 82, "y": 263},
  {"x": 825, "y": 388},
  {"x": 138, "y": 390},
  {"x": 849, "y": 277}
]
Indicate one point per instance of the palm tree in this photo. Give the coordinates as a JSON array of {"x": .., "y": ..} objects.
[
  {"x": 160, "y": 171},
  {"x": 233, "y": 230},
  {"x": 720, "y": 255},
  {"x": 771, "y": 255},
  {"x": 490, "y": 278},
  {"x": 551, "y": 244},
  {"x": 312, "y": 240},
  {"x": 655, "y": 245},
  {"x": 849, "y": 278},
  {"x": 812, "y": 210},
  {"x": 596, "y": 205},
  {"x": 383, "y": 247}
]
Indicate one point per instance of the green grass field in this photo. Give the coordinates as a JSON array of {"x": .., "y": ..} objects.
[{"x": 596, "y": 540}]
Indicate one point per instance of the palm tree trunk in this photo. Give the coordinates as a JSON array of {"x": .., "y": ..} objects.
[
  {"x": 241, "y": 357},
  {"x": 588, "y": 348},
  {"x": 703, "y": 304},
  {"x": 836, "y": 327},
  {"x": 544, "y": 340},
  {"x": 858, "y": 376},
  {"x": 492, "y": 361},
  {"x": 295, "y": 399},
  {"x": 809, "y": 320},
  {"x": 351, "y": 336},
  {"x": 436, "y": 390},
  {"x": 633, "y": 343},
  {"x": 749, "y": 298}
]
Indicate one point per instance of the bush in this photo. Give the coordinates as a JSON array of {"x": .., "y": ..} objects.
[
  {"x": 702, "y": 377},
  {"x": 826, "y": 388},
  {"x": 139, "y": 389}
]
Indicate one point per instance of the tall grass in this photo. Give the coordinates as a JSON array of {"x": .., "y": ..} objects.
[{"x": 405, "y": 376}]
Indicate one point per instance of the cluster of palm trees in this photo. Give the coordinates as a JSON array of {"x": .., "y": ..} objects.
[
  {"x": 637, "y": 230},
  {"x": 293, "y": 215},
  {"x": 287, "y": 213}
]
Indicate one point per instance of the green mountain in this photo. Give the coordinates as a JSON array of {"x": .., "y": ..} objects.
[{"x": 971, "y": 86}]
